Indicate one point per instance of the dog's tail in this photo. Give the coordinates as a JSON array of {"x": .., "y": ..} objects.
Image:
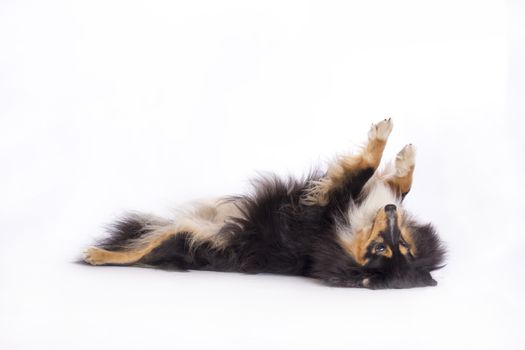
[{"x": 126, "y": 231}]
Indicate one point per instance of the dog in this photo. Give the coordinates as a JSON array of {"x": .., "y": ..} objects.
[{"x": 346, "y": 227}]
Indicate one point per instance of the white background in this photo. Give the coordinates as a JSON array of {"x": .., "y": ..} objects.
[{"x": 113, "y": 105}]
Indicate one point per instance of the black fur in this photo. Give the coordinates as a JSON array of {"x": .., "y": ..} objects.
[
  {"x": 295, "y": 227},
  {"x": 279, "y": 234},
  {"x": 122, "y": 231},
  {"x": 129, "y": 227}
]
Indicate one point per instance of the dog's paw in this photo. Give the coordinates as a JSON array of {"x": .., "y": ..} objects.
[
  {"x": 405, "y": 160},
  {"x": 381, "y": 130},
  {"x": 93, "y": 256}
]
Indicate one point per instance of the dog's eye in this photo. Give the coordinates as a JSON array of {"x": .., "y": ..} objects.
[
  {"x": 380, "y": 248},
  {"x": 403, "y": 243}
]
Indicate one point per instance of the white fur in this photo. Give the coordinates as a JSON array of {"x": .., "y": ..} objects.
[
  {"x": 203, "y": 218},
  {"x": 378, "y": 195},
  {"x": 405, "y": 160},
  {"x": 381, "y": 130}
]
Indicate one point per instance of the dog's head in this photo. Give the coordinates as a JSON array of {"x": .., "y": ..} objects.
[
  {"x": 394, "y": 251},
  {"x": 398, "y": 252}
]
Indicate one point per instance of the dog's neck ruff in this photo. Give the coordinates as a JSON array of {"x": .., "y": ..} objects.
[{"x": 377, "y": 195}]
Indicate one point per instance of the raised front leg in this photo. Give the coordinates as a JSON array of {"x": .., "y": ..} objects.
[
  {"x": 348, "y": 174},
  {"x": 401, "y": 180}
]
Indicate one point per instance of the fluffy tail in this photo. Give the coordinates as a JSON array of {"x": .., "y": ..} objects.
[{"x": 126, "y": 231}]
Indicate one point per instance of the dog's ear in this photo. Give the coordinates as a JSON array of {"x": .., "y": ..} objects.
[
  {"x": 430, "y": 251},
  {"x": 428, "y": 280}
]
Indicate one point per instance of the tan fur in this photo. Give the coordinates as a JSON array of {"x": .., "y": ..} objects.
[
  {"x": 401, "y": 181},
  {"x": 98, "y": 256},
  {"x": 357, "y": 246},
  {"x": 407, "y": 236},
  {"x": 388, "y": 252},
  {"x": 369, "y": 157},
  {"x": 203, "y": 224},
  {"x": 401, "y": 185}
]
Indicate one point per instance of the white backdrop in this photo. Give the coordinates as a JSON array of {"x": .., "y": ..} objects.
[{"x": 113, "y": 105}]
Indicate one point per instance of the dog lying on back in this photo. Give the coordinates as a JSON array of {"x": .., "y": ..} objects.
[{"x": 347, "y": 228}]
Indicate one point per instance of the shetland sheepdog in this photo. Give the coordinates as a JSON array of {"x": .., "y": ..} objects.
[{"x": 346, "y": 227}]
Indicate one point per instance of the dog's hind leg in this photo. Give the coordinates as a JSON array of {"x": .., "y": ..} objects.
[
  {"x": 99, "y": 256},
  {"x": 196, "y": 231},
  {"x": 351, "y": 172},
  {"x": 202, "y": 224}
]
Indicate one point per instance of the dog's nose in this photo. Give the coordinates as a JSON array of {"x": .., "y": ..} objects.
[{"x": 390, "y": 207}]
